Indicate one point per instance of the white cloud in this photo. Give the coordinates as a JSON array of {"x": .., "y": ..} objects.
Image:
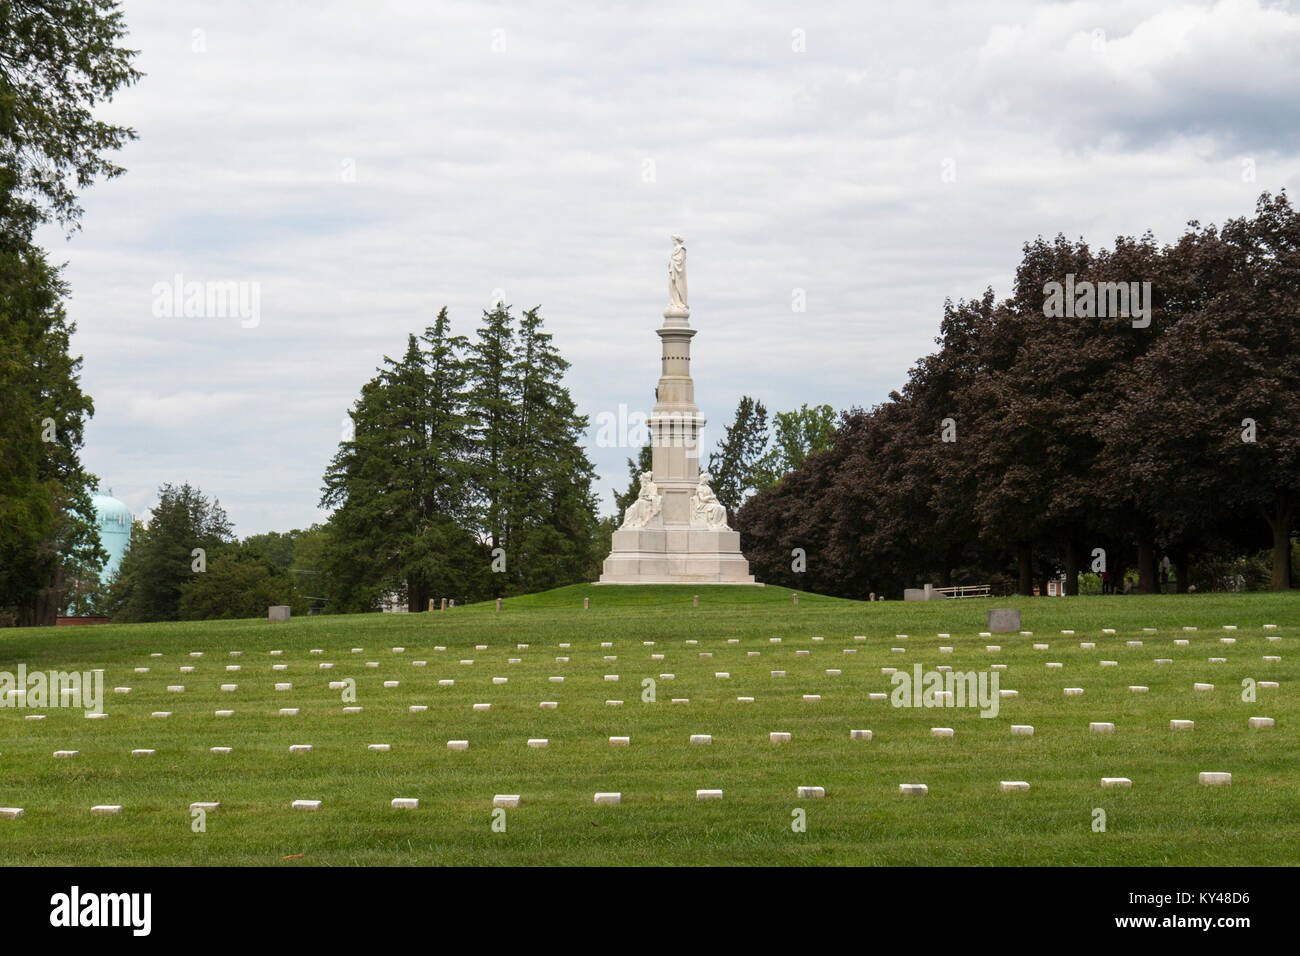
[{"x": 525, "y": 170}]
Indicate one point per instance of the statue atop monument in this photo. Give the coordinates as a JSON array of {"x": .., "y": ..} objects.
[{"x": 677, "y": 276}]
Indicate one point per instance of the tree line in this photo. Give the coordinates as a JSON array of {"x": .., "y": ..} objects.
[
  {"x": 464, "y": 475},
  {"x": 1032, "y": 444}
]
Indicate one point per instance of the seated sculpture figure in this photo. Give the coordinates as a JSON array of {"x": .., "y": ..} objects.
[
  {"x": 706, "y": 510},
  {"x": 647, "y": 505}
]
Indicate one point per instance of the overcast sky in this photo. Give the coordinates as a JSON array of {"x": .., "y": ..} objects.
[{"x": 365, "y": 163}]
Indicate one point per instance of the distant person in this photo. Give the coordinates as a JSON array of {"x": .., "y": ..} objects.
[
  {"x": 1105, "y": 583},
  {"x": 1128, "y": 586},
  {"x": 1164, "y": 574}
]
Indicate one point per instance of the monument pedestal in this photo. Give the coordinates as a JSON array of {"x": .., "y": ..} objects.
[
  {"x": 676, "y": 556},
  {"x": 676, "y": 532}
]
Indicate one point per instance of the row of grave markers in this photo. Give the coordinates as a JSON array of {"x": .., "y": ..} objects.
[{"x": 1209, "y": 778}]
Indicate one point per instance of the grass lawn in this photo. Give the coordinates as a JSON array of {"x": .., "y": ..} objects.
[{"x": 1166, "y": 818}]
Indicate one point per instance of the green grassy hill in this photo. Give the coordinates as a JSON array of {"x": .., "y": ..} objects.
[{"x": 1166, "y": 818}]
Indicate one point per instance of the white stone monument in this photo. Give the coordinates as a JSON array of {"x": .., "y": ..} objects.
[{"x": 676, "y": 531}]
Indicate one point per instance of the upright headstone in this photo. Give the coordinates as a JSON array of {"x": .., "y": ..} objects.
[
  {"x": 1003, "y": 620},
  {"x": 277, "y": 612}
]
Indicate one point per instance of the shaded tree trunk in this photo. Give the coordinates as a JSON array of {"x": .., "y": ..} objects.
[
  {"x": 1072, "y": 569},
  {"x": 1025, "y": 568},
  {"x": 1146, "y": 564},
  {"x": 1279, "y": 522},
  {"x": 45, "y": 606}
]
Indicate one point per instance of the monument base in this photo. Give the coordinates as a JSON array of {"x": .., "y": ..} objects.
[{"x": 676, "y": 556}]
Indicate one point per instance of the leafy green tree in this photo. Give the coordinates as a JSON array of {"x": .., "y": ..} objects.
[
  {"x": 237, "y": 584},
  {"x": 162, "y": 557},
  {"x": 399, "y": 484},
  {"x": 736, "y": 466},
  {"x": 552, "y": 506},
  {"x": 795, "y": 435},
  {"x": 276, "y": 547},
  {"x": 59, "y": 59},
  {"x": 493, "y": 408},
  {"x": 47, "y": 521}
]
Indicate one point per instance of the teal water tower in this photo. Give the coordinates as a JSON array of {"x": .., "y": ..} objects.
[{"x": 114, "y": 521}]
